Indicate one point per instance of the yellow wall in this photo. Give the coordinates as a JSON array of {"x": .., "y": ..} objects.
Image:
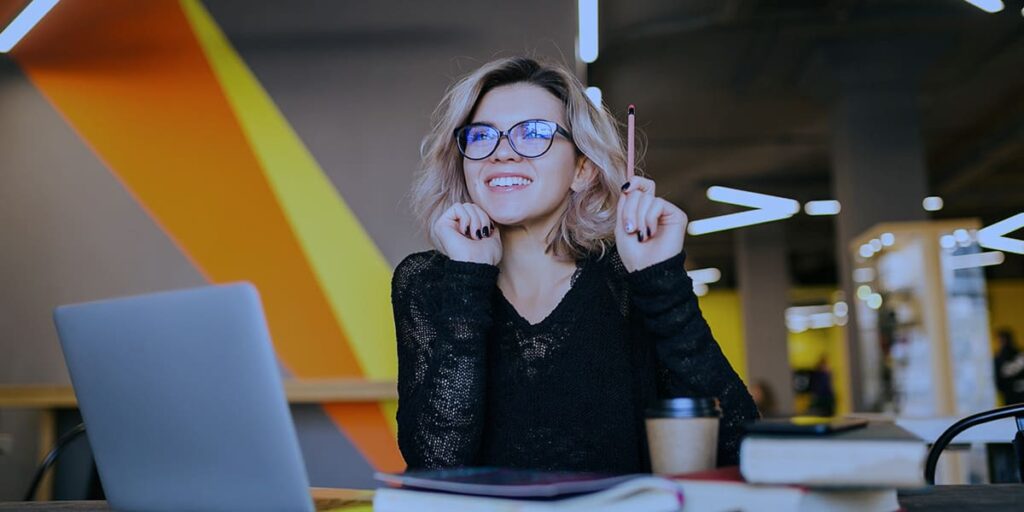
[
  {"x": 1006, "y": 307},
  {"x": 723, "y": 311}
]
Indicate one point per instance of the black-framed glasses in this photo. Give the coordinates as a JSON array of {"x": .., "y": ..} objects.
[{"x": 530, "y": 139}]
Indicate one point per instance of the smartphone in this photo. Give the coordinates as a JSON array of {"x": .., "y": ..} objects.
[{"x": 805, "y": 425}]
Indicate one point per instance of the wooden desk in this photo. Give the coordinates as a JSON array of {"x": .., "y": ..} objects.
[
  {"x": 49, "y": 398},
  {"x": 340, "y": 500},
  {"x": 942, "y": 498}
]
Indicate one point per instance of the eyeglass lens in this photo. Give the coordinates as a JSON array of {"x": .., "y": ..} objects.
[{"x": 528, "y": 138}]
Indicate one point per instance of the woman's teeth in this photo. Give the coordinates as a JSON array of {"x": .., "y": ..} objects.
[{"x": 509, "y": 181}]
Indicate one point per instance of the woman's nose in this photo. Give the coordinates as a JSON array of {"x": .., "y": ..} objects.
[{"x": 504, "y": 151}]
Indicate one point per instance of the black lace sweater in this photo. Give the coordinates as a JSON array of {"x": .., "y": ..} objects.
[{"x": 479, "y": 385}]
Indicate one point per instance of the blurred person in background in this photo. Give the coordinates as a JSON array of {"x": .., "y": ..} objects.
[
  {"x": 1009, "y": 368},
  {"x": 823, "y": 397},
  {"x": 555, "y": 307}
]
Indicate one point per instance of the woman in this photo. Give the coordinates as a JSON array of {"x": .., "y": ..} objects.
[{"x": 556, "y": 306}]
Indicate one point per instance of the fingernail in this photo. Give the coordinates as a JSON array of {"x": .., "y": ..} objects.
[
  {"x": 625, "y": 185},
  {"x": 639, "y": 236},
  {"x": 487, "y": 232},
  {"x": 467, "y": 230},
  {"x": 629, "y": 227},
  {"x": 648, "y": 232},
  {"x": 478, "y": 234}
]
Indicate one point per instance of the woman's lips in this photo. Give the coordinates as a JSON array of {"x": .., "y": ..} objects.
[{"x": 508, "y": 183}]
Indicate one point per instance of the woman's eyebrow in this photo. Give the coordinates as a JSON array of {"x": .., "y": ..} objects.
[{"x": 511, "y": 124}]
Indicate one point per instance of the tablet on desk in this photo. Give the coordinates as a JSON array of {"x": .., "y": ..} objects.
[
  {"x": 805, "y": 425},
  {"x": 504, "y": 482}
]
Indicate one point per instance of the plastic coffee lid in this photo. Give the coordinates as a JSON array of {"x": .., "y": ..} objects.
[{"x": 685, "y": 407}]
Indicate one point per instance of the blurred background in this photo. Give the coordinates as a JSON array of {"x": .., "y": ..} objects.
[{"x": 164, "y": 144}]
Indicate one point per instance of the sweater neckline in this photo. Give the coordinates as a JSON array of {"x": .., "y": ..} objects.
[{"x": 566, "y": 300}]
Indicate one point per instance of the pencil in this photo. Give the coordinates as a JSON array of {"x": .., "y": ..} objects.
[{"x": 630, "y": 144}]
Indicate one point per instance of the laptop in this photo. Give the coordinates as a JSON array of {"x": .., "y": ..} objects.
[{"x": 183, "y": 401}]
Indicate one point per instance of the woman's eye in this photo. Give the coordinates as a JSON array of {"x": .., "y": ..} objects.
[{"x": 478, "y": 136}]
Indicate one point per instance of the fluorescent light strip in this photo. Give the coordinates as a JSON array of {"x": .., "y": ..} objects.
[
  {"x": 753, "y": 199},
  {"x": 802, "y": 318},
  {"x": 980, "y": 259},
  {"x": 932, "y": 203},
  {"x": 700, "y": 289},
  {"x": 866, "y": 251},
  {"x": 594, "y": 93},
  {"x": 769, "y": 208},
  {"x": 588, "y": 30},
  {"x": 994, "y": 236},
  {"x": 21, "y": 24},
  {"x": 863, "y": 275},
  {"x": 705, "y": 275},
  {"x": 733, "y": 221},
  {"x": 824, "y": 207},
  {"x": 989, "y": 6}
]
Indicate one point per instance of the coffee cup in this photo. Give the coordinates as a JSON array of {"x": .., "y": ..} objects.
[{"x": 682, "y": 434}]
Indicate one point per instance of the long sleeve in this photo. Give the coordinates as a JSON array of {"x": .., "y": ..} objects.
[
  {"x": 692, "y": 361},
  {"x": 442, "y": 314}
]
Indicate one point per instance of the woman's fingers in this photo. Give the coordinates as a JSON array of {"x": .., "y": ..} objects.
[
  {"x": 629, "y": 219},
  {"x": 485, "y": 221},
  {"x": 464, "y": 218},
  {"x": 644, "y": 226},
  {"x": 639, "y": 195},
  {"x": 480, "y": 222},
  {"x": 638, "y": 184},
  {"x": 653, "y": 214}
]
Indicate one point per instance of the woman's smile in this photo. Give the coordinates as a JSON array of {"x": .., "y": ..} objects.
[{"x": 503, "y": 183}]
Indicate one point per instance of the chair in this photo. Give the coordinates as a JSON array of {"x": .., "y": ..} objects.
[
  {"x": 1015, "y": 411},
  {"x": 51, "y": 458}
]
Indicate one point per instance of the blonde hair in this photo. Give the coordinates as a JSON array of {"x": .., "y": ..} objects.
[{"x": 587, "y": 225}]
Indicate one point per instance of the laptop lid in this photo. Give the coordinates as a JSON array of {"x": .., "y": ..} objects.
[{"x": 183, "y": 401}]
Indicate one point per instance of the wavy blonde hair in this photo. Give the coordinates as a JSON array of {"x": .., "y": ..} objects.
[{"x": 587, "y": 224}]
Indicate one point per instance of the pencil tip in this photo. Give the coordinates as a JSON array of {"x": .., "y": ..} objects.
[{"x": 632, "y": 109}]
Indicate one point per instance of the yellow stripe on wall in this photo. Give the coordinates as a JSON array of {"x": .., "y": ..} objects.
[{"x": 353, "y": 274}]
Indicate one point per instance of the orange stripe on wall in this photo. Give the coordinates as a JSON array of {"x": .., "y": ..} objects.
[
  {"x": 363, "y": 424},
  {"x": 131, "y": 79},
  {"x": 164, "y": 127}
]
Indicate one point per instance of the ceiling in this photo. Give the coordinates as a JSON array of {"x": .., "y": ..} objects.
[
  {"x": 737, "y": 93},
  {"x": 734, "y": 92}
]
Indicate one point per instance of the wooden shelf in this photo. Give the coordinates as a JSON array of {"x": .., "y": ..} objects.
[{"x": 304, "y": 391}]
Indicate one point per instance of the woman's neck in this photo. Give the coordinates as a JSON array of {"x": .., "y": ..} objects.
[{"x": 527, "y": 267}]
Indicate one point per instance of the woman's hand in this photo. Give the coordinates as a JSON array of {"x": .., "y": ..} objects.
[
  {"x": 649, "y": 229},
  {"x": 466, "y": 233}
]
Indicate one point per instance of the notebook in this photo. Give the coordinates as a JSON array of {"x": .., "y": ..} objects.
[
  {"x": 506, "y": 482},
  {"x": 716, "y": 491}
]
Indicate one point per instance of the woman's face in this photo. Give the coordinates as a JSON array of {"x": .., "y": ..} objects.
[{"x": 542, "y": 184}]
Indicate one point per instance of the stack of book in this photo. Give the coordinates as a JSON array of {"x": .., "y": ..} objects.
[
  {"x": 858, "y": 470},
  {"x": 868, "y": 464}
]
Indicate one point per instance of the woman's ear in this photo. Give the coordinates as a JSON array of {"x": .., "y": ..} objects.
[{"x": 585, "y": 173}]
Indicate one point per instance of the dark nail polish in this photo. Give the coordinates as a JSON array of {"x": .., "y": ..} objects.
[
  {"x": 487, "y": 232},
  {"x": 625, "y": 185},
  {"x": 478, "y": 235},
  {"x": 639, "y": 236},
  {"x": 648, "y": 232},
  {"x": 467, "y": 230}
]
